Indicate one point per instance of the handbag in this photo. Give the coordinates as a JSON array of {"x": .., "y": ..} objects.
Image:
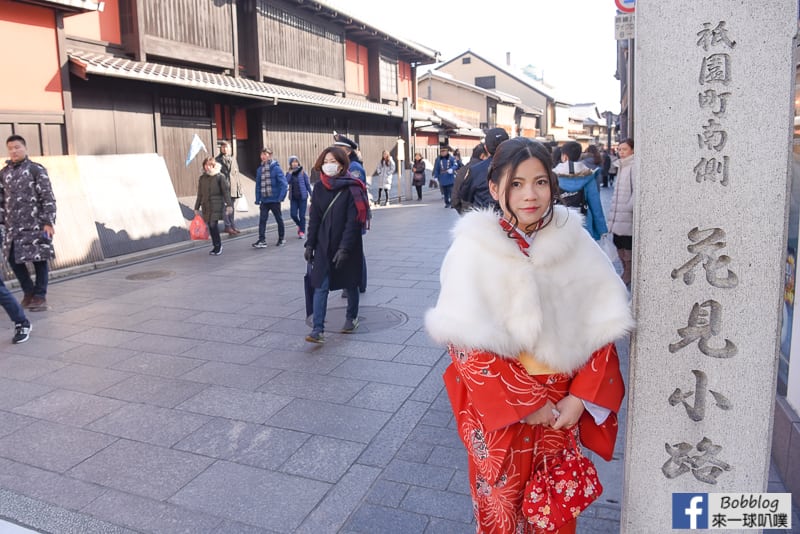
[
  {"x": 240, "y": 204},
  {"x": 561, "y": 489}
]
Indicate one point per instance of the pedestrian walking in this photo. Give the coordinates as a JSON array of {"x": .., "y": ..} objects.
[
  {"x": 213, "y": 200},
  {"x": 620, "y": 218},
  {"x": 299, "y": 189},
  {"x": 520, "y": 294},
  {"x": 271, "y": 188},
  {"x": 444, "y": 171},
  {"x": 338, "y": 216},
  {"x": 28, "y": 212},
  {"x": 475, "y": 191},
  {"x": 418, "y": 178},
  {"x": 578, "y": 189},
  {"x": 383, "y": 176},
  {"x": 230, "y": 170},
  {"x": 459, "y": 204}
]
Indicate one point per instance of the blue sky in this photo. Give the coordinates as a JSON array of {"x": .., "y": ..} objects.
[{"x": 570, "y": 41}]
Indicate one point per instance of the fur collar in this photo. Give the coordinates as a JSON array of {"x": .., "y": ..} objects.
[{"x": 560, "y": 304}]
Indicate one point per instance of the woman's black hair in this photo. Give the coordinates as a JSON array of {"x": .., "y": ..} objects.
[{"x": 508, "y": 157}]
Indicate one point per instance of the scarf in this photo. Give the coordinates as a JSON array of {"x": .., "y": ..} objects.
[
  {"x": 357, "y": 189},
  {"x": 266, "y": 180}
]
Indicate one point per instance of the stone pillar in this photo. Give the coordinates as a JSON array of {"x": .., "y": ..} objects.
[{"x": 714, "y": 114}]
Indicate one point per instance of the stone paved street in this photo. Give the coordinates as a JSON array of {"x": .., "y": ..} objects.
[{"x": 177, "y": 394}]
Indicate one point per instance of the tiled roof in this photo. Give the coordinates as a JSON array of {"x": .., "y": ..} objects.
[{"x": 107, "y": 65}]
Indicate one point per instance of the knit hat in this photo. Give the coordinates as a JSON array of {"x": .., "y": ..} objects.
[{"x": 293, "y": 158}]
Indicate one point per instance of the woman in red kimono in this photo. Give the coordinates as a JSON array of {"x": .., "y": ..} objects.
[{"x": 529, "y": 307}]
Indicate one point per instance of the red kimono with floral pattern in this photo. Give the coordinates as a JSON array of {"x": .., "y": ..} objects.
[{"x": 490, "y": 395}]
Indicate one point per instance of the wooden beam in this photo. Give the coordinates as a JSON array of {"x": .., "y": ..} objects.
[{"x": 66, "y": 91}]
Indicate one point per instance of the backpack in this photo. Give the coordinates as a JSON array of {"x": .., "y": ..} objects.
[{"x": 574, "y": 199}]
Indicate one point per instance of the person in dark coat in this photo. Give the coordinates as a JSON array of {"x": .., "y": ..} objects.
[
  {"x": 418, "y": 179},
  {"x": 28, "y": 211},
  {"x": 334, "y": 247},
  {"x": 475, "y": 190},
  {"x": 299, "y": 189},
  {"x": 478, "y": 154},
  {"x": 213, "y": 200}
]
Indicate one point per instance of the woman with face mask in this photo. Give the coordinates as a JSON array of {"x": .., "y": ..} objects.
[{"x": 338, "y": 215}]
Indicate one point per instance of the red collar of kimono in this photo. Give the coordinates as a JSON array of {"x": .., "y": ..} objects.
[{"x": 523, "y": 243}]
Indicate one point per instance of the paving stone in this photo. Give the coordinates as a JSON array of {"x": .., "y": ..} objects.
[
  {"x": 299, "y": 361},
  {"x": 437, "y": 418},
  {"x": 165, "y": 392},
  {"x": 225, "y": 352},
  {"x": 104, "y": 336},
  {"x": 355, "y": 348},
  {"x": 141, "y": 469},
  {"x": 387, "y": 493},
  {"x": 41, "y": 347},
  {"x": 421, "y": 339},
  {"x": 448, "y": 457},
  {"x": 401, "y": 374},
  {"x": 391, "y": 437},
  {"x": 52, "y": 446},
  {"x": 253, "y": 496},
  {"x": 232, "y": 375},
  {"x": 47, "y": 486},
  {"x": 161, "y": 344},
  {"x": 252, "y": 406},
  {"x": 223, "y": 334},
  {"x": 150, "y": 424},
  {"x": 385, "y": 397},
  {"x": 110, "y": 320},
  {"x": 429, "y": 476},
  {"x": 11, "y": 422},
  {"x": 370, "y": 518},
  {"x": 161, "y": 312},
  {"x": 433, "y": 384},
  {"x": 149, "y": 515},
  {"x": 313, "y": 386},
  {"x": 14, "y": 393},
  {"x": 340, "y": 501},
  {"x": 460, "y": 482},
  {"x": 444, "y": 526},
  {"x": 54, "y": 329},
  {"x": 283, "y": 342},
  {"x": 95, "y": 355},
  {"x": 26, "y": 368},
  {"x": 83, "y": 378},
  {"x": 436, "y": 435},
  {"x": 259, "y": 323},
  {"x": 336, "y": 421},
  {"x": 245, "y": 443},
  {"x": 419, "y": 355},
  {"x": 435, "y": 503},
  {"x": 158, "y": 364},
  {"x": 234, "y": 527},
  {"x": 415, "y": 451},
  {"x": 323, "y": 458},
  {"x": 69, "y": 407}
]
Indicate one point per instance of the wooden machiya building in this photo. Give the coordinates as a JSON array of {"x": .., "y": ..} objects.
[{"x": 143, "y": 76}]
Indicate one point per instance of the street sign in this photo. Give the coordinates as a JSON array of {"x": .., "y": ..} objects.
[
  {"x": 625, "y": 27},
  {"x": 626, "y": 6}
]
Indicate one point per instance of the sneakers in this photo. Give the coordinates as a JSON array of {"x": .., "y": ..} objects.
[
  {"x": 315, "y": 337},
  {"x": 260, "y": 244},
  {"x": 350, "y": 326},
  {"x": 215, "y": 251},
  {"x": 37, "y": 304},
  {"x": 22, "y": 331},
  {"x": 280, "y": 242},
  {"x": 301, "y": 235}
]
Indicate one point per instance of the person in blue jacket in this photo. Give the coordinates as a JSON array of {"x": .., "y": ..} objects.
[
  {"x": 444, "y": 170},
  {"x": 299, "y": 191},
  {"x": 579, "y": 188},
  {"x": 271, "y": 188}
]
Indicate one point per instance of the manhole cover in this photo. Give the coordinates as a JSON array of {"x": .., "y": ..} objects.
[
  {"x": 149, "y": 275},
  {"x": 370, "y": 318}
]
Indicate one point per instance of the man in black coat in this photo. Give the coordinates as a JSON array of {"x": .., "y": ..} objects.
[{"x": 475, "y": 190}]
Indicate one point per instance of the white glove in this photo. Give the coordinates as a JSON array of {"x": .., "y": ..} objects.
[{"x": 449, "y": 171}]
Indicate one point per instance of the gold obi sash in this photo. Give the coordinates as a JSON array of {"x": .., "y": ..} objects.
[{"x": 534, "y": 366}]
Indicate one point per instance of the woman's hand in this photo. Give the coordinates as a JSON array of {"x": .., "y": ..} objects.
[
  {"x": 197, "y": 212},
  {"x": 570, "y": 408},
  {"x": 542, "y": 416}
]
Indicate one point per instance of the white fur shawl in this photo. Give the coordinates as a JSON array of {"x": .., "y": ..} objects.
[{"x": 560, "y": 304}]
